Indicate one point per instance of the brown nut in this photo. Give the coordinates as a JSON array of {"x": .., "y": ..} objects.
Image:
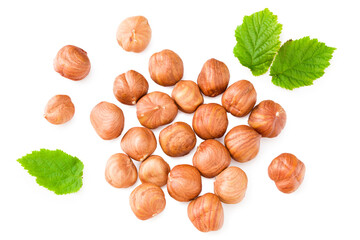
[
  {"x": 211, "y": 157},
  {"x": 138, "y": 143},
  {"x": 230, "y": 185},
  {"x": 154, "y": 170},
  {"x": 156, "y": 109},
  {"x": 134, "y": 34},
  {"x": 59, "y": 109},
  {"x": 184, "y": 183},
  {"x": 213, "y": 78},
  {"x": 187, "y": 96},
  {"x": 72, "y": 62},
  {"x": 166, "y": 68},
  {"x": 107, "y": 120},
  {"x": 177, "y": 140},
  {"x": 240, "y": 98},
  {"x": 147, "y": 200},
  {"x": 210, "y": 121},
  {"x": 206, "y": 213},
  {"x": 243, "y": 143},
  {"x": 120, "y": 171},
  {"x": 287, "y": 171},
  {"x": 268, "y": 118},
  {"x": 129, "y": 87}
]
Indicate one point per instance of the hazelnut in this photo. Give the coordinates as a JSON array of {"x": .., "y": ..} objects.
[
  {"x": 59, "y": 109},
  {"x": 107, "y": 120},
  {"x": 129, "y": 87},
  {"x": 177, "y": 139},
  {"x": 72, "y": 62},
  {"x": 210, "y": 121},
  {"x": 187, "y": 96},
  {"x": 184, "y": 183},
  {"x": 120, "y": 171},
  {"x": 230, "y": 185},
  {"x": 166, "y": 68},
  {"x": 213, "y": 78},
  {"x": 240, "y": 98},
  {"x": 147, "y": 200},
  {"x": 211, "y": 157},
  {"x": 154, "y": 170},
  {"x": 156, "y": 109},
  {"x": 243, "y": 143},
  {"x": 134, "y": 34},
  {"x": 138, "y": 143},
  {"x": 206, "y": 213},
  {"x": 287, "y": 171},
  {"x": 268, "y": 118}
]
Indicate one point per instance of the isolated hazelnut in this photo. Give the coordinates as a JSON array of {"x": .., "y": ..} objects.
[
  {"x": 187, "y": 96},
  {"x": 147, "y": 200},
  {"x": 230, "y": 185},
  {"x": 206, "y": 213},
  {"x": 210, "y": 121},
  {"x": 129, "y": 87},
  {"x": 213, "y": 78},
  {"x": 211, "y": 157},
  {"x": 59, "y": 109},
  {"x": 134, "y": 34},
  {"x": 138, "y": 143},
  {"x": 268, "y": 118},
  {"x": 120, "y": 171},
  {"x": 156, "y": 109},
  {"x": 177, "y": 140},
  {"x": 72, "y": 62},
  {"x": 166, "y": 68},
  {"x": 107, "y": 120},
  {"x": 184, "y": 183},
  {"x": 287, "y": 171},
  {"x": 240, "y": 98},
  {"x": 243, "y": 143},
  {"x": 154, "y": 170}
]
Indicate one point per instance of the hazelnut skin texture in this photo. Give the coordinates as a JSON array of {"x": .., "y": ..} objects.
[
  {"x": 138, "y": 143},
  {"x": 268, "y": 118},
  {"x": 187, "y": 96},
  {"x": 156, "y": 109},
  {"x": 243, "y": 143},
  {"x": 184, "y": 183},
  {"x": 287, "y": 171},
  {"x": 147, "y": 200},
  {"x": 211, "y": 157},
  {"x": 134, "y": 34},
  {"x": 72, "y": 62},
  {"x": 177, "y": 140},
  {"x": 210, "y": 121},
  {"x": 154, "y": 170},
  {"x": 230, "y": 185},
  {"x": 59, "y": 109},
  {"x": 107, "y": 120},
  {"x": 213, "y": 78},
  {"x": 206, "y": 213},
  {"x": 120, "y": 171},
  {"x": 240, "y": 98},
  {"x": 166, "y": 68},
  {"x": 129, "y": 87}
]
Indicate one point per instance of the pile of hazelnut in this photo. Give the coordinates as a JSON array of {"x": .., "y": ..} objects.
[{"x": 155, "y": 109}]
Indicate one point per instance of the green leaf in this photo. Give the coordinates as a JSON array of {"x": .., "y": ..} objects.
[
  {"x": 258, "y": 41},
  {"x": 54, "y": 170},
  {"x": 300, "y": 62}
]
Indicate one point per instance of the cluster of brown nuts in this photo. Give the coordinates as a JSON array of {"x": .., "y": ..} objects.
[{"x": 155, "y": 109}]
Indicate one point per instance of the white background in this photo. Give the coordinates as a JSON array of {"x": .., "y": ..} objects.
[{"x": 322, "y": 127}]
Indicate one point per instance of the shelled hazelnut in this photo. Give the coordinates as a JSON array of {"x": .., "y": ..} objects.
[
  {"x": 287, "y": 171},
  {"x": 120, "y": 171},
  {"x": 154, "y": 170},
  {"x": 59, "y": 109},
  {"x": 187, "y": 96},
  {"x": 129, "y": 87}
]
